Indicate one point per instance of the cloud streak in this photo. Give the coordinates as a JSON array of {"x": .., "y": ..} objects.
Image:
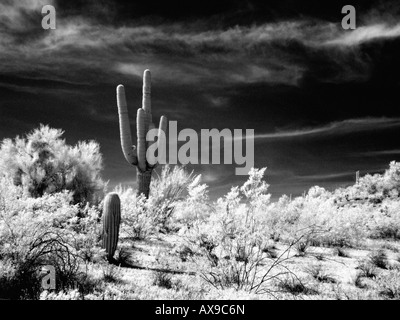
[
  {"x": 335, "y": 128},
  {"x": 392, "y": 152},
  {"x": 14, "y": 15},
  {"x": 365, "y": 34},
  {"x": 274, "y": 52}
]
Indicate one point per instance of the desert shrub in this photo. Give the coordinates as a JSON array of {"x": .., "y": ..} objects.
[
  {"x": 394, "y": 266},
  {"x": 379, "y": 258},
  {"x": 230, "y": 244},
  {"x": 313, "y": 211},
  {"x": 346, "y": 227},
  {"x": 44, "y": 231},
  {"x": 137, "y": 217},
  {"x": 18, "y": 283},
  {"x": 389, "y": 284},
  {"x": 358, "y": 280},
  {"x": 293, "y": 285},
  {"x": 162, "y": 279},
  {"x": 372, "y": 188},
  {"x": 170, "y": 188},
  {"x": 123, "y": 257},
  {"x": 232, "y": 238},
  {"x": 384, "y": 221},
  {"x": 141, "y": 217},
  {"x": 317, "y": 272},
  {"x": 369, "y": 208},
  {"x": 341, "y": 252},
  {"x": 319, "y": 256},
  {"x": 279, "y": 216},
  {"x": 346, "y": 216},
  {"x": 302, "y": 247},
  {"x": 110, "y": 273},
  {"x": 367, "y": 269},
  {"x": 271, "y": 250},
  {"x": 194, "y": 206},
  {"x": 390, "y": 246},
  {"x": 42, "y": 163},
  {"x": 166, "y": 259},
  {"x": 185, "y": 253},
  {"x": 316, "y": 210}
]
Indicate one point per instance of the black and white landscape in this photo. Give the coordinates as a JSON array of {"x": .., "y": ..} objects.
[{"x": 84, "y": 215}]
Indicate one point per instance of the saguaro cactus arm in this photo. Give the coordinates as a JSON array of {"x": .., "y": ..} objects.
[
  {"x": 128, "y": 149},
  {"x": 146, "y": 101}
]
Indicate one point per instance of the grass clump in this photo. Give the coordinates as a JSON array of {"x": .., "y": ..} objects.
[
  {"x": 389, "y": 284},
  {"x": 317, "y": 272},
  {"x": 367, "y": 269},
  {"x": 379, "y": 258},
  {"x": 162, "y": 279}
]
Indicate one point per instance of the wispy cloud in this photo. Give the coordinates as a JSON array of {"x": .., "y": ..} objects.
[
  {"x": 392, "y": 152},
  {"x": 326, "y": 176},
  {"x": 14, "y": 15},
  {"x": 366, "y": 33},
  {"x": 183, "y": 53},
  {"x": 335, "y": 128}
]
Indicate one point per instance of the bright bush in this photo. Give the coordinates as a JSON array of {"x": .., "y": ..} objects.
[
  {"x": 143, "y": 217},
  {"x": 42, "y": 163},
  {"x": 195, "y": 206},
  {"x": 35, "y": 232},
  {"x": 137, "y": 217},
  {"x": 233, "y": 238}
]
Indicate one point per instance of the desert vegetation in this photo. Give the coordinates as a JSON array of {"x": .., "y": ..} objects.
[{"x": 175, "y": 243}]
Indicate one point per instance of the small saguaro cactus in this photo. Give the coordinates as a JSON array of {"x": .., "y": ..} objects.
[
  {"x": 138, "y": 157},
  {"x": 111, "y": 222}
]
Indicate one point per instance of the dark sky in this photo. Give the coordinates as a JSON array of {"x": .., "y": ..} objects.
[{"x": 323, "y": 101}]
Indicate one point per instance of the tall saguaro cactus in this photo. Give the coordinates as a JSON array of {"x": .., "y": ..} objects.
[
  {"x": 144, "y": 123},
  {"x": 111, "y": 223}
]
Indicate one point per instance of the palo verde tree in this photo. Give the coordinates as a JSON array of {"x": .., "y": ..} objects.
[{"x": 42, "y": 163}]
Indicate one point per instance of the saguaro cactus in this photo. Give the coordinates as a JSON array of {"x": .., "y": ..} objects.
[
  {"x": 144, "y": 123},
  {"x": 111, "y": 222}
]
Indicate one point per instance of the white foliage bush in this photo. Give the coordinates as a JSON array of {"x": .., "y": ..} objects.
[
  {"x": 172, "y": 192},
  {"x": 384, "y": 221},
  {"x": 195, "y": 207},
  {"x": 44, "y": 231},
  {"x": 42, "y": 163},
  {"x": 137, "y": 215},
  {"x": 233, "y": 237}
]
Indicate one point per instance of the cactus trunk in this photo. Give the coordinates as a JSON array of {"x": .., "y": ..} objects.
[
  {"x": 111, "y": 223},
  {"x": 144, "y": 179}
]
